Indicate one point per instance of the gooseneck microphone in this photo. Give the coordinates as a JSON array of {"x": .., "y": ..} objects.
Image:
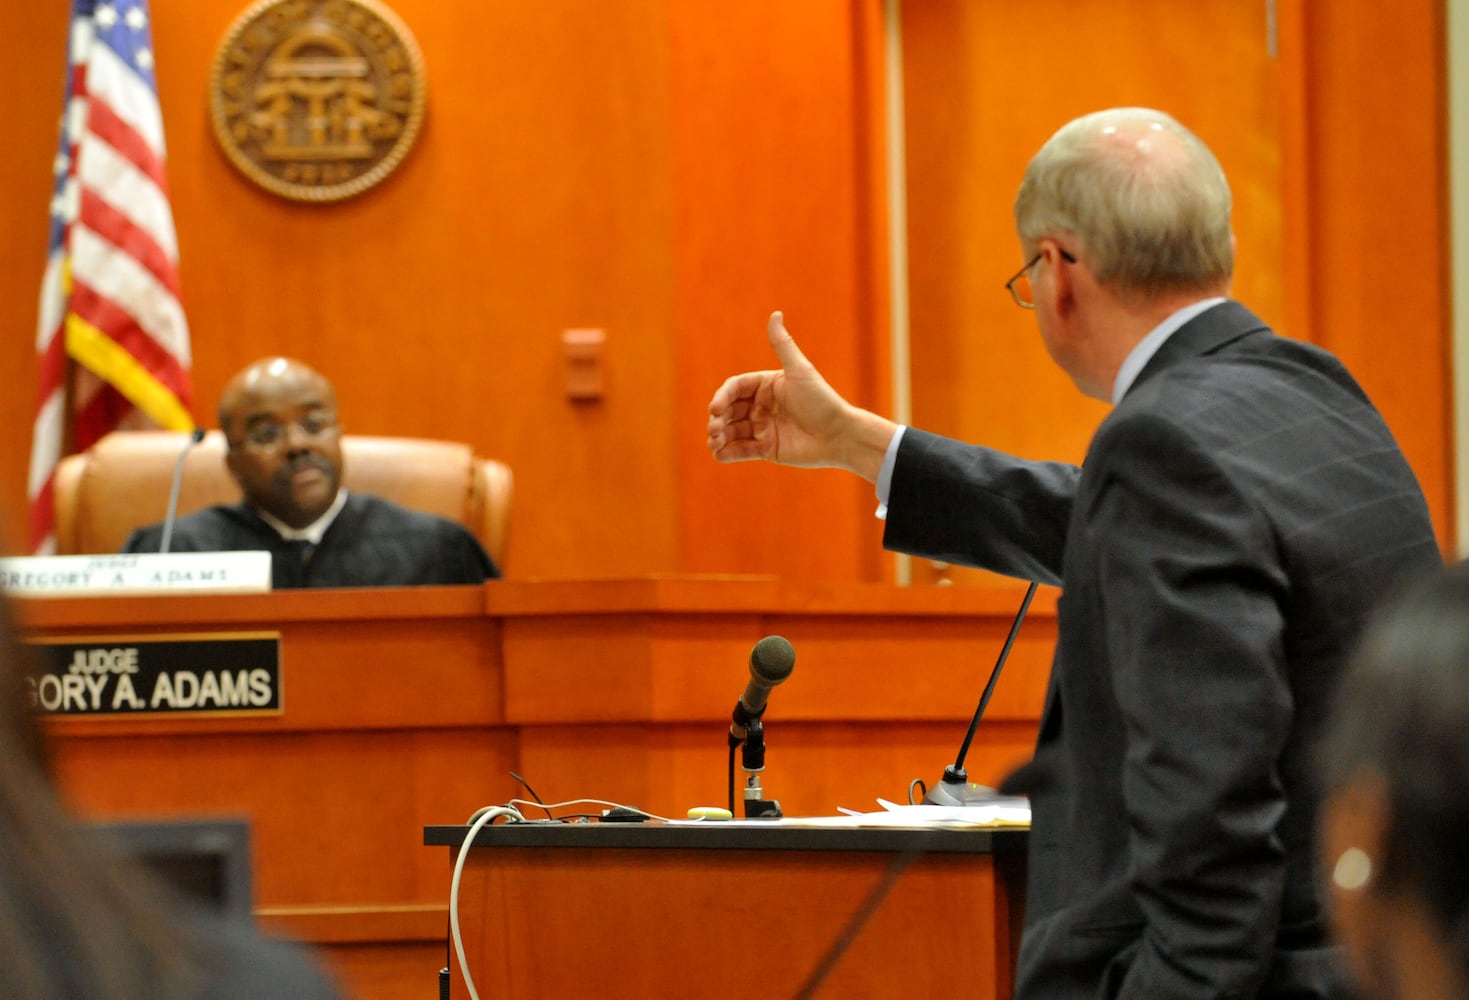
[
  {"x": 771, "y": 661},
  {"x": 955, "y": 788},
  {"x": 195, "y": 437}
]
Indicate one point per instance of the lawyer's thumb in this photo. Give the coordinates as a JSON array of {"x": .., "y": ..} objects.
[{"x": 784, "y": 345}]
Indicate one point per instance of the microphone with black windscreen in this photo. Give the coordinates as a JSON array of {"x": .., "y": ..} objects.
[
  {"x": 195, "y": 437},
  {"x": 771, "y": 662},
  {"x": 955, "y": 788}
]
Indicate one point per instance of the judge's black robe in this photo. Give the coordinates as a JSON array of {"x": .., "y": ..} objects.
[{"x": 371, "y": 543}]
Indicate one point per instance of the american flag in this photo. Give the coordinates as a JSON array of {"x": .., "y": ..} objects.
[{"x": 111, "y": 339}]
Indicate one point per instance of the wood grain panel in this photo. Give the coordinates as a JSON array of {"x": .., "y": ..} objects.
[
  {"x": 620, "y": 690},
  {"x": 658, "y": 923},
  {"x": 33, "y": 45},
  {"x": 777, "y": 164},
  {"x": 979, "y": 105},
  {"x": 392, "y": 716},
  {"x": 391, "y": 721},
  {"x": 334, "y": 818},
  {"x": 1375, "y": 163}
]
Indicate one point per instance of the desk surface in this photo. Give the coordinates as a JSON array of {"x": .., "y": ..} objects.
[{"x": 739, "y": 836}]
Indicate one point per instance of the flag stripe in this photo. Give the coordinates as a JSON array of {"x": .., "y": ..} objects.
[
  {"x": 122, "y": 330},
  {"x": 131, "y": 99},
  {"x": 53, "y": 365},
  {"x": 53, "y": 301},
  {"x": 112, "y": 274},
  {"x": 104, "y": 123},
  {"x": 113, "y": 176},
  {"x": 46, "y": 437},
  {"x": 114, "y": 227},
  {"x": 43, "y": 520},
  {"x": 48, "y": 431}
]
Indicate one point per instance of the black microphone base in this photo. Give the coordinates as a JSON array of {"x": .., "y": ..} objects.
[
  {"x": 762, "y": 809},
  {"x": 959, "y": 793}
]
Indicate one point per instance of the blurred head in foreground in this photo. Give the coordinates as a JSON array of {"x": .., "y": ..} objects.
[
  {"x": 80, "y": 918},
  {"x": 1395, "y": 826}
]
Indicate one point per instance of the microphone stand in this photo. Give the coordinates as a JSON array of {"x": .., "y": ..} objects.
[
  {"x": 955, "y": 788},
  {"x": 752, "y": 760},
  {"x": 195, "y": 436}
]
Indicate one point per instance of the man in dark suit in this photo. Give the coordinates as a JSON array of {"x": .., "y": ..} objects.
[
  {"x": 1237, "y": 515},
  {"x": 279, "y": 418}
]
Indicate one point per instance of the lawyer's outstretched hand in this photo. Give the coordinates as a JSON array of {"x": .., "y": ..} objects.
[{"x": 792, "y": 417}]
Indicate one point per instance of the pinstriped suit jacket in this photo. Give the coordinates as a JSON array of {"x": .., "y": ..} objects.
[{"x": 1236, "y": 517}]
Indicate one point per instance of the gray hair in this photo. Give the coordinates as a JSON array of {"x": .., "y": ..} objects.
[{"x": 1143, "y": 195}]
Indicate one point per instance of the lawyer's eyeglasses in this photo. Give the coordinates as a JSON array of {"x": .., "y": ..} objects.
[{"x": 1019, "y": 286}]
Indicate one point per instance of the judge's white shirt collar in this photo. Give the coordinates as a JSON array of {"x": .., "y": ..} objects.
[{"x": 313, "y": 531}]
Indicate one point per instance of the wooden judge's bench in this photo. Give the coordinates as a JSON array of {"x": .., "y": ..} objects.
[{"x": 408, "y": 708}]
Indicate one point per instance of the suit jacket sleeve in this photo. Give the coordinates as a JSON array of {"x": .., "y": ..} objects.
[
  {"x": 1193, "y": 631},
  {"x": 975, "y": 506}
]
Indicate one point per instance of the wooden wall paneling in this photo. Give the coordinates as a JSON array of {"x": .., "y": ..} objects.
[
  {"x": 1296, "y": 189},
  {"x": 333, "y": 819},
  {"x": 631, "y": 702},
  {"x": 409, "y": 707},
  {"x": 535, "y": 201},
  {"x": 669, "y": 174},
  {"x": 812, "y": 768},
  {"x": 622, "y": 171},
  {"x": 776, "y": 137},
  {"x": 979, "y": 104},
  {"x": 1374, "y": 165},
  {"x": 392, "y": 720},
  {"x": 33, "y": 46}
]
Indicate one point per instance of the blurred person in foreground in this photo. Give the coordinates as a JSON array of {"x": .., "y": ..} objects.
[
  {"x": 81, "y": 919},
  {"x": 279, "y": 419},
  {"x": 1237, "y": 515},
  {"x": 1395, "y": 822}
]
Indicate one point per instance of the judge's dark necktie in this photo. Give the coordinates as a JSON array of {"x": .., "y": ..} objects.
[{"x": 301, "y": 551}]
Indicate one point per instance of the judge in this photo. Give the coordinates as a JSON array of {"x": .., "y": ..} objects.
[{"x": 279, "y": 418}]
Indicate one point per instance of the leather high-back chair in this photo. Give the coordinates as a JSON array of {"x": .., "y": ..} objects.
[{"x": 123, "y": 482}]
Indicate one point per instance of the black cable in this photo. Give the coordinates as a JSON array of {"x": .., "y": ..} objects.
[
  {"x": 731, "y": 777},
  {"x": 526, "y": 785}
]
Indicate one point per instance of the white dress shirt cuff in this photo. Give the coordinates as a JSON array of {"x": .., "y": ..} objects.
[{"x": 885, "y": 474}]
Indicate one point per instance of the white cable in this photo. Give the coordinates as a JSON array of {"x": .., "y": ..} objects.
[
  {"x": 482, "y": 818},
  {"x": 581, "y": 802},
  {"x": 478, "y": 821}
]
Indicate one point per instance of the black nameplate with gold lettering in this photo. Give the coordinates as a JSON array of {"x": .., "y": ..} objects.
[{"x": 236, "y": 674}]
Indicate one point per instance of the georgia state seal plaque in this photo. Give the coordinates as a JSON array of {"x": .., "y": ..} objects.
[{"x": 317, "y": 100}]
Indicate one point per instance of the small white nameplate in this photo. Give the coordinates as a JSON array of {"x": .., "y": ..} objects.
[{"x": 137, "y": 573}]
